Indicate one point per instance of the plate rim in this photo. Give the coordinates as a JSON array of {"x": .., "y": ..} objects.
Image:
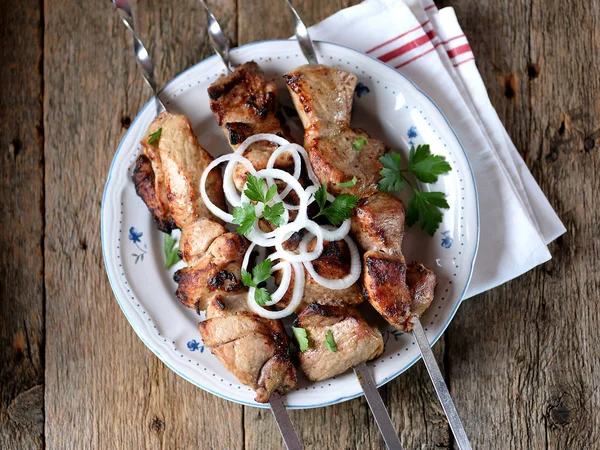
[{"x": 433, "y": 341}]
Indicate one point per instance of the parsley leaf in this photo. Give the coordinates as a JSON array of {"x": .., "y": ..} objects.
[
  {"x": 244, "y": 216},
  {"x": 330, "y": 342},
  {"x": 301, "y": 337},
  {"x": 270, "y": 193},
  {"x": 392, "y": 178},
  {"x": 359, "y": 144},
  {"x": 425, "y": 166},
  {"x": 255, "y": 188},
  {"x": 261, "y": 296},
  {"x": 171, "y": 252},
  {"x": 273, "y": 214},
  {"x": 340, "y": 209},
  {"x": 349, "y": 183},
  {"x": 261, "y": 272},
  {"x": 154, "y": 137},
  {"x": 321, "y": 196},
  {"x": 425, "y": 207}
]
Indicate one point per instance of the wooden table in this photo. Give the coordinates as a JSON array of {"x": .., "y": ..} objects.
[{"x": 522, "y": 361}]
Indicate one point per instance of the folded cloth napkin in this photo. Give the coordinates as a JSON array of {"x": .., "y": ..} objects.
[{"x": 428, "y": 45}]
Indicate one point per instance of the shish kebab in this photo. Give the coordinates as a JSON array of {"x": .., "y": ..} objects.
[
  {"x": 166, "y": 178},
  {"x": 400, "y": 293}
]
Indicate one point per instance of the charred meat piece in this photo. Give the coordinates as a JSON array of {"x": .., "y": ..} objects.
[
  {"x": 323, "y": 98},
  {"x": 334, "y": 263},
  {"x": 170, "y": 184},
  {"x": 216, "y": 272},
  {"x": 245, "y": 104},
  {"x": 197, "y": 237},
  {"x": 144, "y": 181},
  {"x": 254, "y": 349},
  {"x": 356, "y": 340},
  {"x": 421, "y": 282}
]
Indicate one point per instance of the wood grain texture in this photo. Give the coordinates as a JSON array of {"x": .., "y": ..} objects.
[
  {"x": 521, "y": 361},
  {"x": 22, "y": 227},
  {"x": 104, "y": 388},
  {"x": 523, "y": 358}
]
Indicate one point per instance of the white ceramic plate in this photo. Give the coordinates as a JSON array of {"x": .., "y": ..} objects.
[{"x": 389, "y": 107}]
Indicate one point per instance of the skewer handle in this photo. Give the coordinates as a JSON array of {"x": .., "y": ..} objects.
[
  {"x": 440, "y": 387},
  {"x": 218, "y": 40},
  {"x": 384, "y": 422},
  {"x": 290, "y": 438},
  {"x": 306, "y": 44},
  {"x": 142, "y": 57}
]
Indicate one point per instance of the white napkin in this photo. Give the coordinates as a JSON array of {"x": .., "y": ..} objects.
[{"x": 428, "y": 46}]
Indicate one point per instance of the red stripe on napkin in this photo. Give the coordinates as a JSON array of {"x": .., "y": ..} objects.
[
  {"x": 459, "y": 50},
  {"x": 405, "y": 48},
  {"x": 416, "y": 57},
  {"x": 396, "y": 38},
  {"x": 466, "y": 60}
]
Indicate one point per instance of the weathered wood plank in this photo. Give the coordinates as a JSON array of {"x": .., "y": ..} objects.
[
  {"x": 410, "y": 398},
  {"x": 104, "y": 388},
  {"x": 22, "y": 224},
  {"x": 523, "y": 358}
]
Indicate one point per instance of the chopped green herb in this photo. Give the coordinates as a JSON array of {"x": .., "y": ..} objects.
[
  {"x": 301, "y": 337},
  {"x": 261, "y": 296},
  {"x": 171, "y": 251},
  {"x": 273, "y": 214},
  {"x": 154, "y": 137},
  {"x": 359, "y": 143},
  {"x": 330, "y": 342},
  {"x": 425, "y": 167},
  {"x": 244, "y": 216},
  {"x": 255, "y": 189},
  {"x": 349, "y": 183},
  {"x": 339, "y": 209},
  {"x": 261, "y": 272}
]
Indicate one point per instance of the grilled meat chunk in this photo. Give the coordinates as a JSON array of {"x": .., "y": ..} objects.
[
  {"x": 144, "y": 182},
  {"x": 397, "y": 291},
  {"x": 216, "y": 272},
  {"x": 323, "y": 98},
  {"x": 197, "y": 237},
  {"x": 254, "y": 349},
  {"x": 180, "y": 160},
  {"x": 356, "y": 340},
  {"x": 245, "y": 104},
  {"x": 333, "y": 264}
]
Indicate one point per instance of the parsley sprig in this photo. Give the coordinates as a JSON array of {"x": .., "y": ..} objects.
[
  {"x": 338, "y": 210},
  {"x": 425, "y": 167},
  {"x": 245, "y": 215},
  {"x": 171, "y": 251},
  {"x": 301, "y": 337},
  {"x": 154, "y": 137},
  {"x": 330, "y": 342},
  {"x": 260, "y": 273}
]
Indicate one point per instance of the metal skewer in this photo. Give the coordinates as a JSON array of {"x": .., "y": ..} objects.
[
  {"x": 435, "y": 374},
  {"x": 380, "y": 413},
  {"x": 142, "y": 57},
  {"x": 220, "y": 45}
]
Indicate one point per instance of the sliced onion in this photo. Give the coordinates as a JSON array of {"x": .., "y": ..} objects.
[
  {"x": 291, "y": 149},
  {"x": 231, "y": 193},
  {"x": 225, "y": 216},
  {"x": 260, "y": 137},
  {"x": 340, "y": 283},
  {"x": 291, "y": 228}
]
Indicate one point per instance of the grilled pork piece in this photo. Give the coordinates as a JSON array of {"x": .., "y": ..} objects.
[
  {"x": 334, "y": 263},
  {"x": 356, "y": 340},
  {"x": 245, "y": 104},
  {"x": 323, "y": 98},
  {"x": 254, "y": 349},
  {"x": 170, "y": 186}
]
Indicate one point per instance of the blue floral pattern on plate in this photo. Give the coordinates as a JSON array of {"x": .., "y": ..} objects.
[
  {"x": 412, "y": 133},
  {"x": 361, "y": 89},
  {"x": 135, "y": 236},
  {"x": 194, "y": 345},
  {"x": 447, "y": 240}
]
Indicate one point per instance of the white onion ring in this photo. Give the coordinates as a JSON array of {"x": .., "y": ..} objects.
[
  {"x": 340, "y": 283},
  {"x": 297, "y": 295},
  {"x": 289, "y": 148},
  {"x": 291, "y": 228}
]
